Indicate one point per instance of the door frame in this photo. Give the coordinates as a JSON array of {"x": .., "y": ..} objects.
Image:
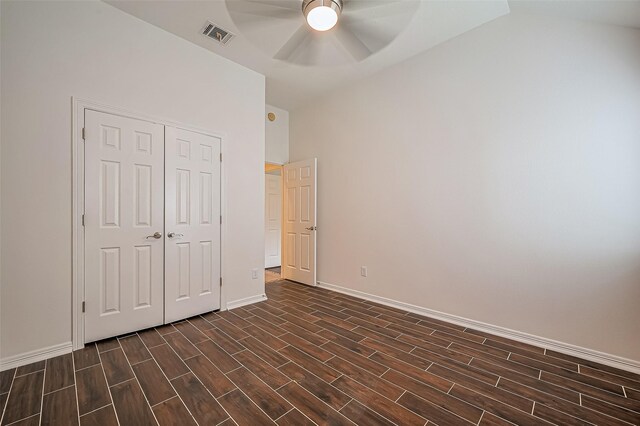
[
  {"x": 275, "y": 166},
  {"x": 78, "y": 106}
]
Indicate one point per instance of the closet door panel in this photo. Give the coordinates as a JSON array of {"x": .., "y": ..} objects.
[
  {"x": 192, "y": 207},
  {"x": 124, "y": 213}
]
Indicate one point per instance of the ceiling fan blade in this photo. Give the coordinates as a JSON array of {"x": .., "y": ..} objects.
[
  {"x": 257, "y": 9},
  {"x": 370, "y": 35},
  {"x": 367, "y": 4},
  {"x": 381, "y": 9},
  {"x": 352, "y": 43},
  {"x": 285, "y": 4},
  {"x": 297, "y": 39}
]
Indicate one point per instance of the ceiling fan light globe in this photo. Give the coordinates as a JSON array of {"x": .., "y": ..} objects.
[
  {"x": 322, "y": 18},
  {"x": 322, "y": 15}
]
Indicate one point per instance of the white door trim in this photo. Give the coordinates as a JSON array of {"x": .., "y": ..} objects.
[
  {"x": 78, "y": 105},
  {"x": 272, "y": 261}
]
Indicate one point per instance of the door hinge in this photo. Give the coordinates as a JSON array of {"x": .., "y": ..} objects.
[
  {"x": 83, "y": 305},
  {"x": 83, "y": 133},
  {"x": 82, "y": 220},
  {"x": 220, "y": 281},
  {"x": 221, "y": 220},
  {"x": 221, "y": 157}
]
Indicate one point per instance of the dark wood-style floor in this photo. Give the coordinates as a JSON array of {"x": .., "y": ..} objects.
[{"x": 308, "y": 356}]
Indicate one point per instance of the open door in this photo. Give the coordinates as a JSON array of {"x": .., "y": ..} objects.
[{"x": 299, "y": 228}]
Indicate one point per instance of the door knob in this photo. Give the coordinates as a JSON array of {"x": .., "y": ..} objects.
[
  {"x": 157, "y": 236},
  {"x": 312, "y": 228},
  {"x": 173, "y": 234}
]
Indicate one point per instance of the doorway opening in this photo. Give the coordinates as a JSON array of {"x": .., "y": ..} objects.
[
  {"x": 290, "y": 221},
  {"x": 273, "y": 222}
]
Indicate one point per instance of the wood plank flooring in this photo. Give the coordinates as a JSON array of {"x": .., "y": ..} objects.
[{"x": 312, "y": 356}]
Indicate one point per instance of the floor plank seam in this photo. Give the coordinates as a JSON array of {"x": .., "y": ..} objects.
[
  {"x": 58, "y": 390},
  {"x": 107, "y": 384},
  {"x": 93, "y": 411},
  {"x": 28, "y": 374},
  {"x": 276, "y": 420},
  {"x": 44, "y": 380},
  {"x": 23, "y": 419},
  {"x": 6, "y": 403},
  {"x": 190, "y": 371},
  {"x": 226, "y": 393},
  {"x": 135, "y": 377}
]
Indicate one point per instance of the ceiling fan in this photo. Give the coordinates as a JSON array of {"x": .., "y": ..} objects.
[{"x": 321, "y": 32}]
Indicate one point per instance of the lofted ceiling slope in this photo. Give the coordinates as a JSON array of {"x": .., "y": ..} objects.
[{"x": 433, "y": 22}]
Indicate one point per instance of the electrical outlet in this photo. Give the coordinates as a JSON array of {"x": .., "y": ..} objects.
[
  {"x": 363, "y": 271},
  {"x": 254, "y": 274}
]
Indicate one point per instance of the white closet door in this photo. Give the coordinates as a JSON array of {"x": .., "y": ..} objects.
[
  {"x": 124, "y": 203},
  {"x": 192, "y": 208},
  {"x": 299, "y": 254},
  {"x": 272, "y": 220}
]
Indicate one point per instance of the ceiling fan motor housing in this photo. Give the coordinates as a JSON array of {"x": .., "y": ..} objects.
[{"x": 309, "y": 5}]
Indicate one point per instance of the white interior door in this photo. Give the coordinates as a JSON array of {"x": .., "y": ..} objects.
[
  {"x": 300, "y": 221},
  {"x": 192, "y": 247},
  {"x": 124, "y": 188},
  {"x": 272, "y": 220}
]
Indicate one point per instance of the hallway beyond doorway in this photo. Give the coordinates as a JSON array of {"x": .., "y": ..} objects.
[{"x": 272, "y": 274}]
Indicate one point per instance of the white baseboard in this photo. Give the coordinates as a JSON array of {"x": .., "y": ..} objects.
[
  {"x": 566, "y": 348},
  {"x": 246, "y": 301},
  {"x": 35, "y": 356}
]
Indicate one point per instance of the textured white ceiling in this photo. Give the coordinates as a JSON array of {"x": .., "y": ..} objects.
[
  {"x": 290, "y": 85},
  {"x": 624, "y": 13},
  {"x": 434, "y": 22}
]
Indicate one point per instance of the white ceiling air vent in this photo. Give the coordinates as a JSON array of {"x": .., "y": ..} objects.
[{"x": 213, "y": 31}]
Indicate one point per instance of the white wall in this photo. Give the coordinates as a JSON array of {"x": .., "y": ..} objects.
[
  {"x": 495, "y": 177},
  {"x": 277, "y": 136},
  {"x": 54, "y": 50}
]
